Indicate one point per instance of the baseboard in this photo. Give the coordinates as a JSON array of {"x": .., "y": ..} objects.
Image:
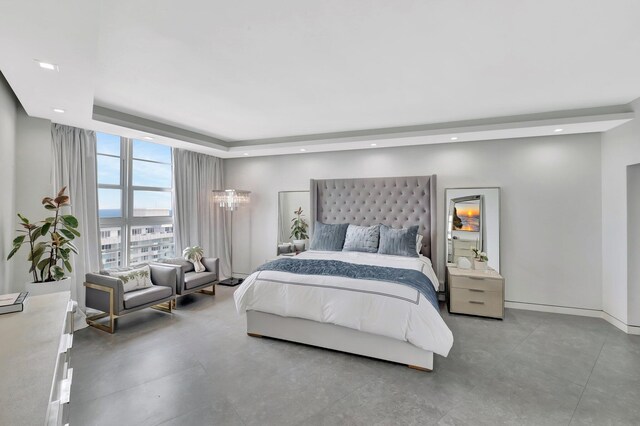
[
  {"x": 554, "y": 309},
  {"x": 593, "y": 313},
  {"x": 629, "y": 329}
]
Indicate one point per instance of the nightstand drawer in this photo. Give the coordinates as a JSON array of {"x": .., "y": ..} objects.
[
  {"x": 476, "y": 283},
  {"x": 483, "y": 303}
]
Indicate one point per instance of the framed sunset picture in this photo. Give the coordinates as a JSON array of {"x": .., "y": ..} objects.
[{"x": 466, "y": 216}]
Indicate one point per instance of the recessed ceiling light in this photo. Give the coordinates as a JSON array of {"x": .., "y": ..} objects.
[
  {"x": 148, "y": 138},
  {"x": 374, "y": 144},
  {"x": 58, "y": 110},
  {"x": 303, "y": 150},
  {"x": 246, "y": 153},
  {"x": 47, "y": 65},
  {"x": 454, "y": 138},
  {"x": 558, "y": 130}
]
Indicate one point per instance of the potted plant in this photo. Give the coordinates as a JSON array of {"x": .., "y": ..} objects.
[
  {"x": 50, "y": 246},
  {"x": 299, "y": 230},
  {"x": 480, "y": 260}
]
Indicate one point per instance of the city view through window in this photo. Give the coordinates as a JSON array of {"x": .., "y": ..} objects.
[{"x": 135, "y": 199}]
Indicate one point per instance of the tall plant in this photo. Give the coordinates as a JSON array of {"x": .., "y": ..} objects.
[
  {"x": 50, "y": 257},
  {"x": 299, "y": 226}
]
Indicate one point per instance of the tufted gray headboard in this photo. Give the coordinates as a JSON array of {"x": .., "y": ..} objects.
[{"x": 394, "y": 201}]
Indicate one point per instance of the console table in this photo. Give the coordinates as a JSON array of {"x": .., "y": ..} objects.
[{"x": 34, "y": 361}]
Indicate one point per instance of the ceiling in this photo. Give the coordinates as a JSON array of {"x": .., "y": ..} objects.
[{"x": 262, "y": 78}]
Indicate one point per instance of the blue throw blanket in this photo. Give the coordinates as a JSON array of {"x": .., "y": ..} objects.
[{"x": 414, "y": 279}]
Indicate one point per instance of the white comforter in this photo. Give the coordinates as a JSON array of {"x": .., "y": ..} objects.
[{"x": 377, "y": 307}]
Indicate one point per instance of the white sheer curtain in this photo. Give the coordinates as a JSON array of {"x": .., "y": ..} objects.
[
  {"x": 74, "y": 166},
  {"x": 197, "y": 221}
]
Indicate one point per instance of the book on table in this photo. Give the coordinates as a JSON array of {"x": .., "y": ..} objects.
[{"x": 12, "y": 302}]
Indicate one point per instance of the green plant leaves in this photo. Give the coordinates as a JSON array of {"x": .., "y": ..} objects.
[
  {"x": 45, "y": 228},
  {"x": 57, "y": 273},
  {"x": 67, "y": 234},
  {"x": 72, "y": 247},
  {"x": 45, "y": 256},
  {"x": 37, "y": 251},
  {"x": 43, "y": 264},
  {"x": 12, "y": 252},
  {"x": 70, "y": 220},
  {"x": 73, "y": 231},
  {"x": 299, "y": 226}
]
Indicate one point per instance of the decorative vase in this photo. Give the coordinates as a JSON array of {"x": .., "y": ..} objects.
[
  {"x": 464, "y": 263},
  {"x": 479, "y": 265},
  {"x": 37, "y": 289},
  {"x": 299, "y": 244}
]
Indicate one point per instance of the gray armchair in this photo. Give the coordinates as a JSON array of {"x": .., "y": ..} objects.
[
  {"x": 189, "y": 281},
  {"x": 106, "y": 293}
]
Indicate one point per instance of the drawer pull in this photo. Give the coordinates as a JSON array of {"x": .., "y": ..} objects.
[
  {"x": 66, "y": 342},
  {"x": 476, "y": 278},
  {"x": 476, "y": 303},
  {"x": 65, "y": 388},
  {"x": 476, "y": 290}
]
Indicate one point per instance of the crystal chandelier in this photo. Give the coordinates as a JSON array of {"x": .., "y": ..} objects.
[{"x": 231, "y": 199}]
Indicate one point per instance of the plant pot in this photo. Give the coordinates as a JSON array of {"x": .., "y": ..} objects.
[
  {"x": 299, "y": 244},
  {"x": 480, "y": 266},
  {"x": 37, "y": 289}
]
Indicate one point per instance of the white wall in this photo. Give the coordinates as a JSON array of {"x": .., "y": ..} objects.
[
  {"x": 8, "y": 117},
  {"x": 620, "y": 148},
  {"x": 633, "y": 243},
  {"x": 551, "y": 218},
  {"x": 33, "y": 177}
]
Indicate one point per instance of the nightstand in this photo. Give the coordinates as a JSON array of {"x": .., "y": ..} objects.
[{"x": 474, "y": 292}]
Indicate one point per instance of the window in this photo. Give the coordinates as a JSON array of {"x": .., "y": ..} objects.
[{"x": 135, "y": 199}]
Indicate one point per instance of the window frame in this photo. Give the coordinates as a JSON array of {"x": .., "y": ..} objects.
[{"x": 127, "y": 221}]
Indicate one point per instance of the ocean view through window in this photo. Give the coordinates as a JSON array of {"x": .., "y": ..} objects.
[{"x": 134, "y": 199}]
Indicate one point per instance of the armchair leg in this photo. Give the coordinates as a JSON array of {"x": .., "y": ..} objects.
[
  {"x": 92, "y": 320},
  {"x": 164, "y": 307},
  {"x": 211, "y": 292}
]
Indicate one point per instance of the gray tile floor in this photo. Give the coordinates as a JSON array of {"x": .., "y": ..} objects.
[{"x": 198, "y": 367}]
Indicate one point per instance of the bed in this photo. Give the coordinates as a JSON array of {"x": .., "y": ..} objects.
[{"x": 360, "y": 314}]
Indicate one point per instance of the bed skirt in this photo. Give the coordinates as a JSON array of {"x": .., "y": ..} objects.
[{"x": 338, "y": 338}]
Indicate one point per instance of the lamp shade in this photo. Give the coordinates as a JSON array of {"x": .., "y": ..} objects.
[{"x": 231, "y": 199}]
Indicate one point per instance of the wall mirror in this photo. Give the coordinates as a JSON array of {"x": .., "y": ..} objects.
[
  {"x": 288, "y": 203},
  {"x": 472, "y": 219}
]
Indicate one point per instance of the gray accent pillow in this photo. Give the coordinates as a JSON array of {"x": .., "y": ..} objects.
[
  {"x": 328, "y": 237},
  {"x": 362, "y": 238},
  {"x": 398, "y": 242}
]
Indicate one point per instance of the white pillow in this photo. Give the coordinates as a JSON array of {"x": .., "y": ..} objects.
[
  {"x": 134, "y": 279},
  {"x": 194, "y": 255},
  {"x": 197, "y": 265},
  {"x": 418, "y": 243}
]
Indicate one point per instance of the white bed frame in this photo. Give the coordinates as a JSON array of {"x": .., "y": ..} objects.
[
  {"x": 338, "y": 338},
  {"x": 362, "y": 202}
]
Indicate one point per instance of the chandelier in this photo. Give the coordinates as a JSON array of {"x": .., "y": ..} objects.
[{"x": 231, "y": 199}]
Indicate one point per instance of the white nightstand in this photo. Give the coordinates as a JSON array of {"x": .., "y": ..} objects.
[{"x": 474, "y": 292}]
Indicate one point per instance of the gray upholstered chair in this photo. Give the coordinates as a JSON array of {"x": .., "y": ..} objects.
[
  {"x": 106, "y": 293},
  {"x": 189, "y": 281}
]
